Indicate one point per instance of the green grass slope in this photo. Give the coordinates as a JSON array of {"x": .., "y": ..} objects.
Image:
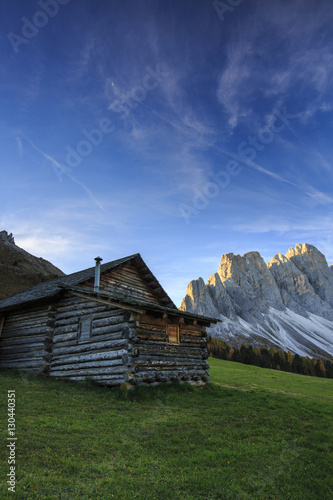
[{"x": 252, "y": 433}]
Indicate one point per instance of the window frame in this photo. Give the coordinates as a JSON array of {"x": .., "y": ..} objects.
[
  {"x": 86, "y": 322},
  {"x": 176, "y": 335}
]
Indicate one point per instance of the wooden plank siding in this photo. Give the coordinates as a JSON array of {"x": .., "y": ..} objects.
[
  {"x": 127, "y": 279},
  {"x": 26, "y": 339},
  {"x": 99, "y": 356}
]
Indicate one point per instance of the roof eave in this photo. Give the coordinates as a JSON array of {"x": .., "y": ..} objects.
[
  {"x": 32, "y": 302},
  {"x": 137, "y": 306}
]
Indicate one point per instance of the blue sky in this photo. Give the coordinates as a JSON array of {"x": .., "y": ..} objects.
[{"x": 179, "y": 129}]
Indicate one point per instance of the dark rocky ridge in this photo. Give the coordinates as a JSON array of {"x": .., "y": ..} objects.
[
  {"x": 287, "y": 303},
  {"x": 19, "y": 269}
]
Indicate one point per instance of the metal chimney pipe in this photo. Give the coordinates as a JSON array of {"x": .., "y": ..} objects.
[{"x": 97, "y": 273}]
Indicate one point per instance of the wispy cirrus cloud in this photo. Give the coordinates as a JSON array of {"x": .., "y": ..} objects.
[
  {"x": 61, "y": 170},
  {"x": 167, "y": 129},
  {"x": 286, "y": 224},
  {"x": 318, "y": 197},
  {"x": 86, "y": 56},
  {"x": 233, "y": 81},
  {"x": 260, "y": 65}
]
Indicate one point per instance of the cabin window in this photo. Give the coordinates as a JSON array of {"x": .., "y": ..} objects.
[
  {"x": 173, "y": 334},
  {"x": 85, "y": 327}
]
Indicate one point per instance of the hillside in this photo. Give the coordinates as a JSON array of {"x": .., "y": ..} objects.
[
  {"x": 252, "y": 433},
  {"x": 19, "y": 269},
  {"x": 286, "y": 304}
]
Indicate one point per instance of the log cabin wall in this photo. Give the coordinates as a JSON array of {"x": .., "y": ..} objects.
[
  {"x": 90, "y": 340},
  {"x": 26, "y": 338},
  {"x": 160, "y": 360}
]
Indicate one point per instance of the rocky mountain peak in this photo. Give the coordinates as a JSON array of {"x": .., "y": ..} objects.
[
  {"x": 313, "y": 264},
  {"x": 283, "y": 303},
  {"x": 247, "y": 280},
  {"x": 19, "y": 269},
  {"x": 231, "y": 263},
  {"x": 308, "y": 252},
  {"x": 194, "y": 288},
  {"x": 198, "y": 298},
  {"x": 277, "y": 259},
  {"x": 5, "y": 237}
]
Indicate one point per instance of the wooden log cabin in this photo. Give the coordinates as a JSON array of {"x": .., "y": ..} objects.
[{"x": 113, "y": 323}]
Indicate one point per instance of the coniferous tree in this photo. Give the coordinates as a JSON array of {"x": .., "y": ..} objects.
[
  {"x": 289, "y": 361},
  {"x": 296, "y": 365},
  {"x": 320, "y": 368},
  {"x": 269, "y": 358}
]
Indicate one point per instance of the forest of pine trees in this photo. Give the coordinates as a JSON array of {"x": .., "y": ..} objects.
[{"x": 269, "y": 358}]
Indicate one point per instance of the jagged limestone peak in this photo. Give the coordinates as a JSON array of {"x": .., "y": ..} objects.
[
  {"x": 194, "y": 287},
  {"x": 308, "y": 251},
  {"x": 199, "y": 299},
  {"x": 235, "y": 267},
  {"x": 287, "y": 301},
  {"x": 277, "y": 259},
  {"x": 311, "y": 262}
]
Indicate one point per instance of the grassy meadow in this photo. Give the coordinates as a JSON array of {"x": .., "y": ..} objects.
[{"x": 252, "y": 433}]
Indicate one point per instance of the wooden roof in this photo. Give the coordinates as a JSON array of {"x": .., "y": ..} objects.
[
  {"x": 52, "y": 288},
  {"x": 80, "y": 282}
]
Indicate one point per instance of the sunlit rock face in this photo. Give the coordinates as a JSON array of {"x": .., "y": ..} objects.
[
  {"x": 297, "y": 292},
  {"x": 250, "y": 285},
  {"x": 199, "y": 299},
  {"x": 313, "y": 264},
  {"x": 287, "y": 303}
]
